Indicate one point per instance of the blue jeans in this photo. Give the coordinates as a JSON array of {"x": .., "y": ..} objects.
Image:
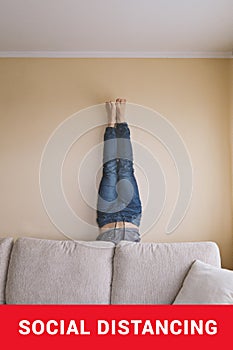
[{"x": 118, "y": 196}]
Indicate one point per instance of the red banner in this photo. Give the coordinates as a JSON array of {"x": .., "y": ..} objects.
[{"x": 115, "y": 326}]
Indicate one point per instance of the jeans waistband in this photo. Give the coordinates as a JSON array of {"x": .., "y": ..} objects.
[{"x": 116, "y": 235}]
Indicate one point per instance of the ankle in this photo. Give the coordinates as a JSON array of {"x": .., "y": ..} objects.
[{"x": 111, "y": 125}]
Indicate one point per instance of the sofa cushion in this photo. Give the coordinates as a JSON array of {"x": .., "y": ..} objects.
[
  {"x": 206, "y": 284},
  {"x": 152, "y": 273},
  {"x": 5, "y": 251},
  {"x": 59, "y": 272}
]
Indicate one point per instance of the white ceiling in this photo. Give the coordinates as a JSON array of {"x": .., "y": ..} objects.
[{"x": 116, "y": 28}]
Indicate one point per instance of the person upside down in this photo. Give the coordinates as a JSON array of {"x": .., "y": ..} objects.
[{"x": 119, "y": 206}]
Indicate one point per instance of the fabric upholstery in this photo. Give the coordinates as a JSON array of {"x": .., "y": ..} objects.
[
  {"x": 59, "y": 272},
  {"x": 206, "y": 284},
  {"x": 152, "y": 273},
  {"x": 5, "y": 251}
]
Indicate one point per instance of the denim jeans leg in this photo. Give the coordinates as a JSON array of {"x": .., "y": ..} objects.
[
  {"x": 128, "y": 192},
  {"x": 107, "y": 195},
  {"x": 124, "y": 147},
  {"x": 118, "y": 198}
]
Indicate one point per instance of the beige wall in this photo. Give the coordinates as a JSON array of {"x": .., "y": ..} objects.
[
  {"x": 36, "y": 95},
  {"x": 231, "y": 117}
]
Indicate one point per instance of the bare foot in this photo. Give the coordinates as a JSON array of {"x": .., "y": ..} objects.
[
  {"x": 111, "y": 113},
  {"x": 120, "y": 110}
]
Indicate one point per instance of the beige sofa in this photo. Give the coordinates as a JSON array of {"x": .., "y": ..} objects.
[{"x": 39, "y": 271}]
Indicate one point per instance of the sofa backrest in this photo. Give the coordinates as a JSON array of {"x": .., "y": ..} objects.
[
  {"x": 152, "y": 273},
  {"x": 72, "y": 272},
  {"x": 59, "y": 272}
]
